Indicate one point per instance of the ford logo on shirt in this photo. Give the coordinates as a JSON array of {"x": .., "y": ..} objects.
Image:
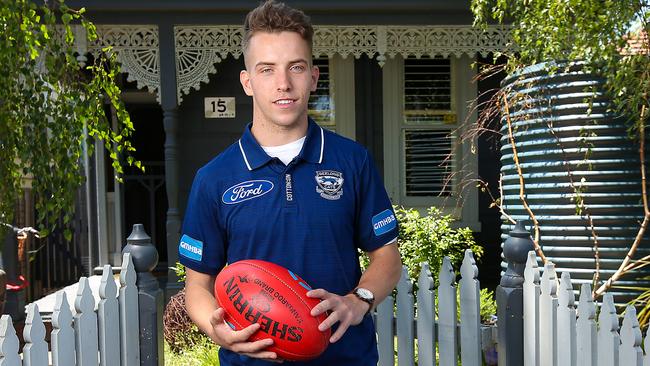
[{"x": 245, "y": 191}]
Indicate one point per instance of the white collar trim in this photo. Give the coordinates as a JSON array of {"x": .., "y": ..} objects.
[
  {"x": 322, "y": 144},
  {"x": 244, "y": 155}
]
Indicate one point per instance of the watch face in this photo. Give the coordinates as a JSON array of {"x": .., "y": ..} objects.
[{"x": 364, "y": 293}]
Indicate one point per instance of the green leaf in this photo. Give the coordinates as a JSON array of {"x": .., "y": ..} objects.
[
  {"x": 66, "y": 18},
  {"x": 67, "y": 234}
]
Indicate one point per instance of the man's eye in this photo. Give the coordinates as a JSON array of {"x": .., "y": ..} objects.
[
  {"x": 297, "y": 68},
  {"x": 265, "y": 70}
]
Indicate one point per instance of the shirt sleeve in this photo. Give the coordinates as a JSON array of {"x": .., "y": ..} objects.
[
  {"x": 376, "y": 221},
  {"x": 202, "y": 245}
]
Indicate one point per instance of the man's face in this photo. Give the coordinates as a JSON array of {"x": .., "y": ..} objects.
[{"x": 279, "y": 76}]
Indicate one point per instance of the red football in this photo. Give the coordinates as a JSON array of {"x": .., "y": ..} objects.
[{"x": 255, "y": 291}]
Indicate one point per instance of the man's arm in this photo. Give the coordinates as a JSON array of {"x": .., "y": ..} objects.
[
  {"x": 203, "y": 309},
  {"x": 380, "y": 277}
]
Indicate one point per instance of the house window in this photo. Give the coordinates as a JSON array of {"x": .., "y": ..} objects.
[
  {"x": 427, "y": 91},
  {"x": 321, "y": 102},
  {"x": 426, "y": 129},
  {"x": 332, "y": 105},
  {"x": 426, "y": 108}
]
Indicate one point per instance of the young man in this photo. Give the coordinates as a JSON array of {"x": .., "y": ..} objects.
[{"x": 291, "y": 193}]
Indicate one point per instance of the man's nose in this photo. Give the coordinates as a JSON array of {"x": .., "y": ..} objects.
[{"x": 283, "y": 81}]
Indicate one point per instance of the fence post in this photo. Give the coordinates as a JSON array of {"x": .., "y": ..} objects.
[
  {"x": 150, "y": 296},
  {"x": 510, "y": 304}
]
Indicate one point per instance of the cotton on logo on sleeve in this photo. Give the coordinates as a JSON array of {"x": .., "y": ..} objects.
[
  {"x": 190, "y": 248},
  {"x": 384, "y": 222}
]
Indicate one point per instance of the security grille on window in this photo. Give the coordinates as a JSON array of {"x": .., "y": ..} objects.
[
  {"x": 321, "y": 102},
  {"x": 429, "y": 119}
]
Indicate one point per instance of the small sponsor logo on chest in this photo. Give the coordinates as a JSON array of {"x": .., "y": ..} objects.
[{"x": 245, "y": 191}]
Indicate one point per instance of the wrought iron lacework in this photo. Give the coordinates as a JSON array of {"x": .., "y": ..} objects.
[{"x": 199, "y": 48}]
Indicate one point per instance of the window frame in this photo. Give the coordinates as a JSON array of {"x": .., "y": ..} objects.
[
  {"x": 463, "y": 205},
  {"x": 341, "y": 82}
]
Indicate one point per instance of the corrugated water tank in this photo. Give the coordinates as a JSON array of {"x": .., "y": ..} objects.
[{"x": 570, "y": 144}]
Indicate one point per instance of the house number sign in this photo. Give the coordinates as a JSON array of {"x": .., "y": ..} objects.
[{"x": 220, "y": 107}]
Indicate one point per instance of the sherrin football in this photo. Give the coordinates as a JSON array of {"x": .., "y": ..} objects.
[{"x": 255, "y": 291}]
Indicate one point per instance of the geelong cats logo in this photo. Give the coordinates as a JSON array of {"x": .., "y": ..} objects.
[{"x": 329, "y": 184}]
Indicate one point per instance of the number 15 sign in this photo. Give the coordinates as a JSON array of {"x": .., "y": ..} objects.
[{"x": 220, "y": 107}]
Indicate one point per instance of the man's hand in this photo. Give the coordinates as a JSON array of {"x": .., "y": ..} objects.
[
  {"x": 237, "y": 340},
  {"x": 347, "y": 310},
  {"x": 205, "y": 312},
  {"x": 380, "y": 277}
]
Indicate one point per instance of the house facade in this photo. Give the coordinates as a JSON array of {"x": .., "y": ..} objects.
[{"x": 396, "y": 76}]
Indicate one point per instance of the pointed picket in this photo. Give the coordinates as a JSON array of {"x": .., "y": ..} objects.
[
  {"x": 35, "y": 349},
  {"x": 426, "y": 325},
  {"x": 608, "y": 338},
  {"x": 470, "y": 312},
  {"x": 548, "y": 304},
  {"x": 447, "y": 344},
  {"x": 646, "y": 347},
  {"x": 631, "y": 353},
  {"x": 405, "y": 346},
  {"x": 108, "y": 315},
  {"x": 586, "y": 332},
  {"x": 8, "y": 343},
  {"x": 85, "y": 326},
  {"x": 532, "y": 292},
  {"x": 566, "y": 323},
  {"x": 129, "y": 317},
  {"x": 384, "y": 325},
  {"x": 62, "y": 338}
]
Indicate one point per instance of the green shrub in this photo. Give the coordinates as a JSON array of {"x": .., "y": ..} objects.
[
  {"x": 429, "y": 239},
  {"x": 488, "y": 306},
  {"x": 180, "y": 271}
]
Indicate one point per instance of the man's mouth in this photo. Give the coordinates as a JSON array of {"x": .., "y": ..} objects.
[{"x": 284, "y": 101}]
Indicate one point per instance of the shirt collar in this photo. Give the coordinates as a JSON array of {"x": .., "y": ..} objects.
[
  {"x": 254, "y": 156},
  {"x": 312, "y": 150}
]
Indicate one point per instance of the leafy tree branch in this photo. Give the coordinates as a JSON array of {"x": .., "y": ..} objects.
[
  {"x": 50, "y": 105},
  {"x": 598, "y": 33}
]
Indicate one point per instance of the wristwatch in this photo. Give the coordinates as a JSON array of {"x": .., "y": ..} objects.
[{"x": 365, "y": 295}]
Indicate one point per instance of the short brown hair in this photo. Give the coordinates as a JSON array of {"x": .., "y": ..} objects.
[{"x": 275, "y": 17}]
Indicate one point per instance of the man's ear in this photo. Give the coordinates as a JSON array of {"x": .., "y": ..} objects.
[
  {"x": 315, "y": 73},
  {"x": 245, "y": 80}
]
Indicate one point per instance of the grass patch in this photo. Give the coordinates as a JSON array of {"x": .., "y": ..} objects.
[{"x": 204, "y": 353}]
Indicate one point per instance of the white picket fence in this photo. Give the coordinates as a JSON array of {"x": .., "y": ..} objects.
[
  {"x": 91, "y": 337},
  {"x": 558, "y": 334},
  {"x": 443, "y": 330}
]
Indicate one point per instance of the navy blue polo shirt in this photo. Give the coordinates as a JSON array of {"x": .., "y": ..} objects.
[{"x": 309, "y": 216}]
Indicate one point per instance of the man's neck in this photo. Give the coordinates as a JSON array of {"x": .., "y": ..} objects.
[{"x": 269, "y": 134}]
